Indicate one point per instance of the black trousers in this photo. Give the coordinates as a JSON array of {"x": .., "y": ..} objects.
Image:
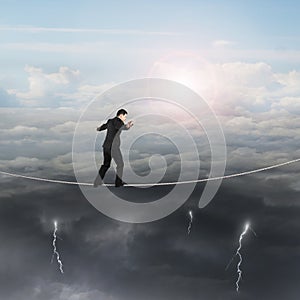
[{"x": 115, "y": 154}]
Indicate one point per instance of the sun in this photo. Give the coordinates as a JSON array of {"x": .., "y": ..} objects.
[{"x": 189, "y": 69}]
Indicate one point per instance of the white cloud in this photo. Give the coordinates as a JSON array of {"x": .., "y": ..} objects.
[
  {"x": 257, "y": 107},
  {"x": 85, "y": 92},
  {"x": 223, "y": 54},
  {"x": 223, "y": 43},
  {"x": 246, "y": 75},
  {"x": 290, "y": 104},
  {"x": 44, "y": 86},
  {"x": 117, "y": 31},
  {"x": 290, "y": 83},
  {"x": 64, "y": 88}
]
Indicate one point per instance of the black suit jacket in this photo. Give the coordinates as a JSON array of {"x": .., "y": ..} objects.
[{"x": 114, "y": 127}]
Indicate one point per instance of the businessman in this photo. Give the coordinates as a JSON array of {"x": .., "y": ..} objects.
[{"x": 111, "y": 147}]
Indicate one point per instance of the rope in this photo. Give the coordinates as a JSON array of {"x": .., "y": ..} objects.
[{"x": 158, "y": 183}]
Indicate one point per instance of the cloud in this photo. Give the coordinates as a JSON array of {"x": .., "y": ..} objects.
[
  {"x": 64, "y": 88},
  {"x": 234, "y": 86},
  {"x": 100, "y": 254},
  {"x": 76, "y": 48},
  {"x": 223, "y": 43},
  {"x": 85, "y": 93},
  {"x": 32, "y": 29},
  {"x": 259, "y": 122},
  {"x": 105, "y": 259},
  {"x": 60, "y": 291},
  {"x": 43, "y": 87}
]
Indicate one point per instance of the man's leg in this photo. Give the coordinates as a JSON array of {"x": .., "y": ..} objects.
[
  {"x": 117, "y": 156},
  {"x": 105, "y": 166},
  {"x": 106, "y": 162}
]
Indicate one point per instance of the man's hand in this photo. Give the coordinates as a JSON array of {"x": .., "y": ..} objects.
[
  {"x": 98, "y": 129},
  {"x": 129, "y": 124}
]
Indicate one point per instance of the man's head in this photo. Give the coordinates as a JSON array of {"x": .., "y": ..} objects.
[{"x": 122, "y": 114}]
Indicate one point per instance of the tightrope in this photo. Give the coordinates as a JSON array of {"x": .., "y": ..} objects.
[{"x": 158, "y": 183}]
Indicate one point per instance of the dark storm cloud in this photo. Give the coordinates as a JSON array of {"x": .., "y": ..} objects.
[{"x": 116, "y": 260}]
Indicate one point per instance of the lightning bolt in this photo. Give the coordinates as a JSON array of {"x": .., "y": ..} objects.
[
  {"x": 55, "y": 252},
  {"x": 191, "y": 221},
  {"x": 240, "y": 256},
  {"x": 239, "y": 271}
]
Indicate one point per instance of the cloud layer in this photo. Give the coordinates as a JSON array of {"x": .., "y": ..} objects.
[{"x": 106, "y": 259}]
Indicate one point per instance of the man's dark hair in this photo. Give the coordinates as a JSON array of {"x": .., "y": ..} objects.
[{"x": 122, "y": 112}]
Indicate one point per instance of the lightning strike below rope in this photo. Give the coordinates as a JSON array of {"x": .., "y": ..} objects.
[
  {"x": 239, "y": 271},
  {"x": 240, "y": 256},
  {"x": 55, "y": 252},
  {"x": 191, "y": 221}
]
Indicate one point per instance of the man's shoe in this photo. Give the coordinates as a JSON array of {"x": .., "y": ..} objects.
[
  {"x": 118, "y": 184},
  {"x": 98, "y": 181}
]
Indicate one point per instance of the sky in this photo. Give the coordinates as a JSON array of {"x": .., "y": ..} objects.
[{"x": 66, "y": 66}]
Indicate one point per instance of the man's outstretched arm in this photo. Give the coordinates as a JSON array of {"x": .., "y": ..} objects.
[
  {"x": 119, "y": 125},
  {"x": 102, "y": 127}
]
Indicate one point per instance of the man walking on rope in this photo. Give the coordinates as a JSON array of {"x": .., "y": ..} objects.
[{"x": 111, "y": 147}]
